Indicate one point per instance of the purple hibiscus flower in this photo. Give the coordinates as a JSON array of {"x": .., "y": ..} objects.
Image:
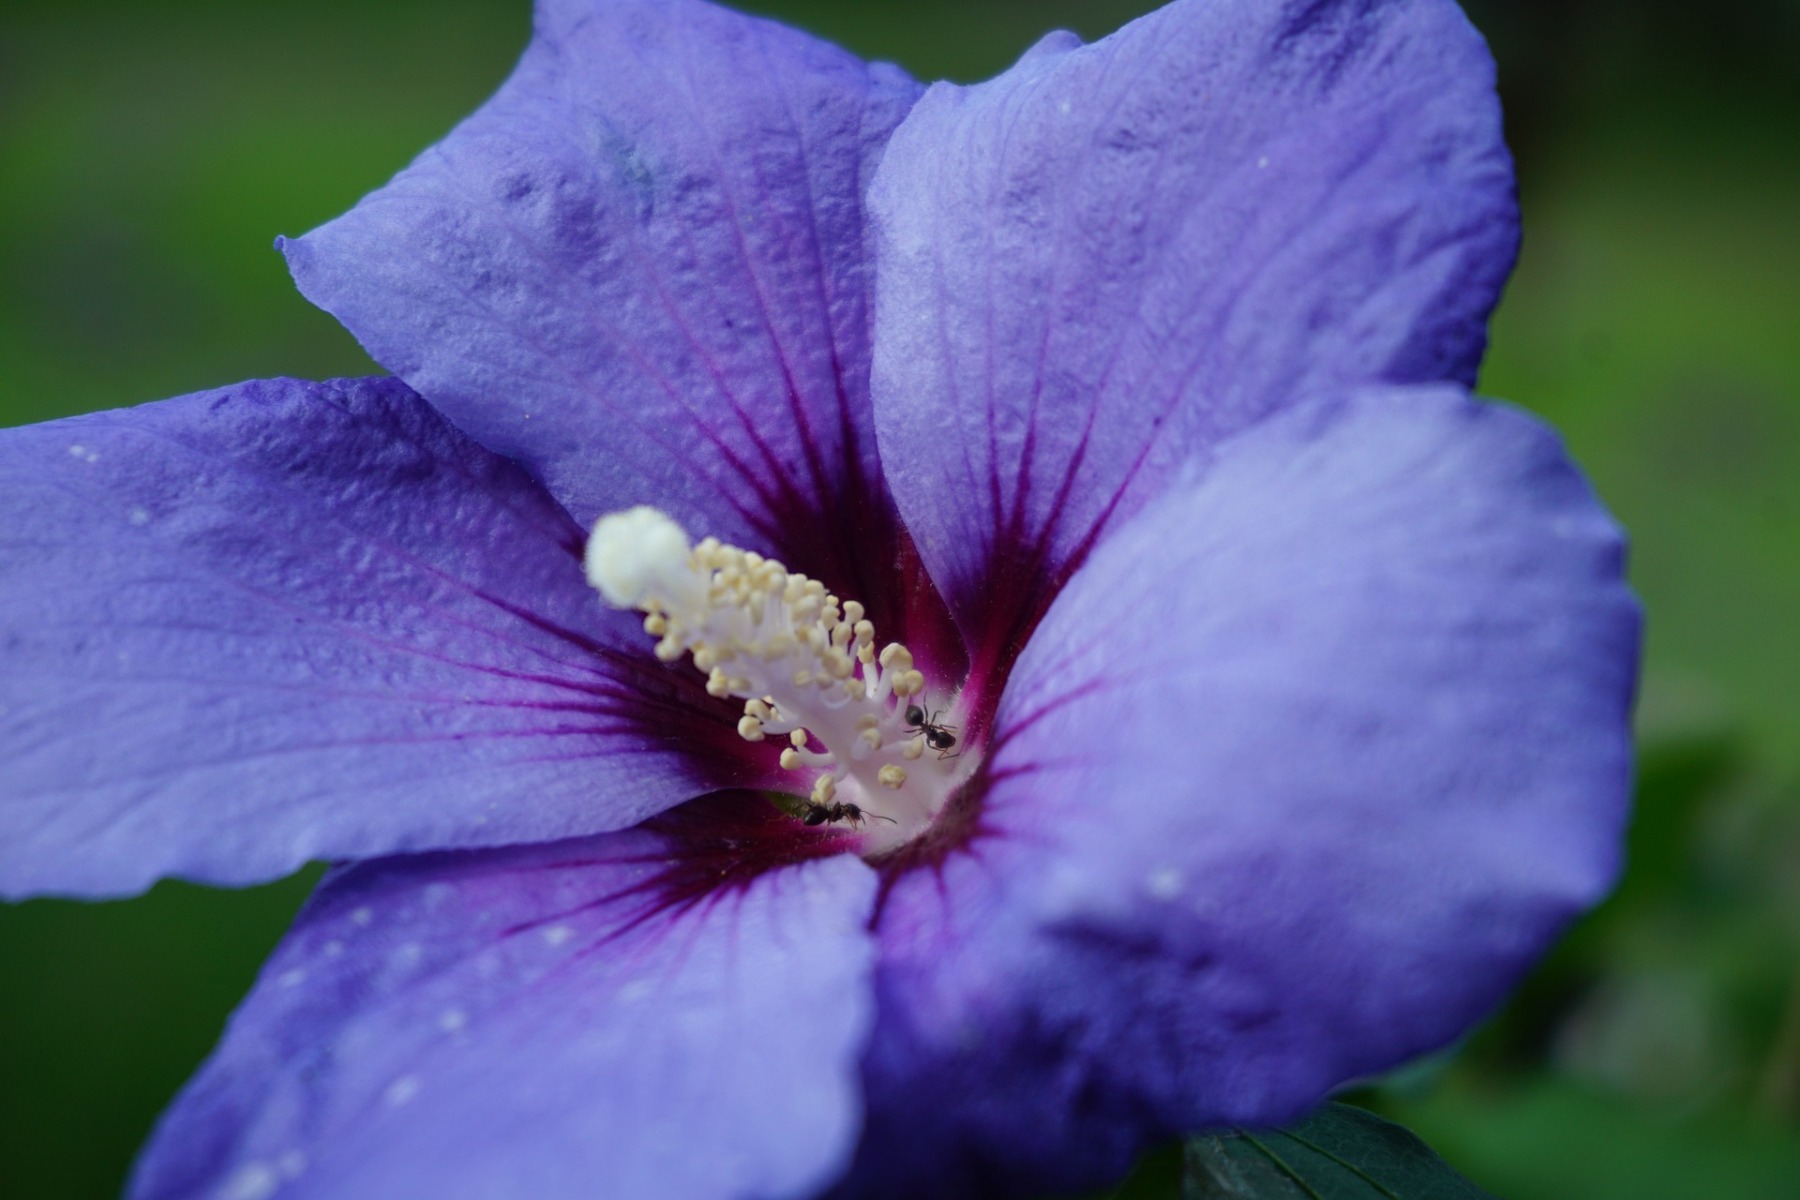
[{"x": 1203, "y": 700}]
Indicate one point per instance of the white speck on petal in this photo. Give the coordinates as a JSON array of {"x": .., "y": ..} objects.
[
  {"x": 452, "y": 1020},
  {"x": 291, "y": 1164},
  {"x": 333, "y": 948},
  {"x": 293, "y": 978},
  {"x": 402, "y": 1090},
  {"x": 634, "y": 991},
  {"x": 139, "y": 516},
  {"x": 252, "y": 1181},
  {"x": 1262, "y": 162},
  {"x": 409, "y": 954},
  {"x": 84, "y": 454},
  {"x": 1063, "y": 107},
  {"x": 1570, "y": 528},
  {"x": 437, "y": 893},
  {"x": 1164, "y": 883},
  {"x": 363, "y": 915},
  {"x": 556, "y": 935}
]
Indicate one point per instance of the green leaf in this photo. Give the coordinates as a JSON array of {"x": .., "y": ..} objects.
[{"x": 1337, "y": 1153}]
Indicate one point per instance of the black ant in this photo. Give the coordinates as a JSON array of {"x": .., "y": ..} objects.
[
  {"x": 814, "y": 813},
  {"x": 941, "y": 738}
]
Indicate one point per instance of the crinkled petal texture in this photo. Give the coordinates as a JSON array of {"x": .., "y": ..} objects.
[
  {"x": 540, "y": 1022},
  {"x": 285, "y": 621},
  {"x": 640, "y": 270},
  {"x": 1297, "y": 775},
  {"x": 1095, "y": 266}
]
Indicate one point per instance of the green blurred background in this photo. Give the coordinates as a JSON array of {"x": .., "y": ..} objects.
[{"x": 150, "y": 151}]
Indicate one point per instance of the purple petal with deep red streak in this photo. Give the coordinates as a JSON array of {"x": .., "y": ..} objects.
[
  {"x": 284, "y": 621},
  {"x": 1094, "y": 267},
  {"x": 1307, "y": 763},
  {"x": 639, "y": 269},
  {"x": 556, "y": 1021}
]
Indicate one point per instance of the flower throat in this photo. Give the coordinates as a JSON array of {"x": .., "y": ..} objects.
[{"x": 804, "y": 663}]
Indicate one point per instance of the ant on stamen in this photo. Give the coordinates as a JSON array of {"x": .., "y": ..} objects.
[
  {"x": 814, "y": 813},
  {"x": 941, "y": 738}
]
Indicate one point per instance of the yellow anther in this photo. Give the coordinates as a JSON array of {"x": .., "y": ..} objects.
[
  {"x": 759, "y": 709},
  {"x": 871, "y": 738},
  {"x": 798, "y": 738},
  {"x": 656, "y": 625},
  {"x": 909, "y": 684},
  {"x": 802, "y": 677},
  {"x": 750, "y": 729},
  {"x": 790, "y": 759},
  {"x": 865, "y": 633},
  {"x": 892, "y": 776},
  {"x": 718, "y": 683},
  {"x": 913, "y": 748},
  {"x": 895, "y": 657},
  {"x": 866, "y": 721},
  {"x": 853, "y": 612},
  {"x": 824, "y": 788}
]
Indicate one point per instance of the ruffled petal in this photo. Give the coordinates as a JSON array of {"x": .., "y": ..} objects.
[
  {"x": 285, "y": 621},
  {"x": 1100, "y": 263},
  {"x": 640, "y": 270},
  {"x": 562, "y": 1021},
  {"x": 1299, "y": 773}
]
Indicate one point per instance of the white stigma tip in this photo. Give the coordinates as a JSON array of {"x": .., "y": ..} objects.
[{"x": 639, "y": 555}]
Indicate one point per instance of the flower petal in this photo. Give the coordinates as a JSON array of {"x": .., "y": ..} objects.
[
  {"x": 286, "y": 621},
  {"x": 1105, "y": 260},
  {"x": 1302, "y": 769},
  {"x": 640, "y": 270},
  {"x": 542, "y": 1022}
]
